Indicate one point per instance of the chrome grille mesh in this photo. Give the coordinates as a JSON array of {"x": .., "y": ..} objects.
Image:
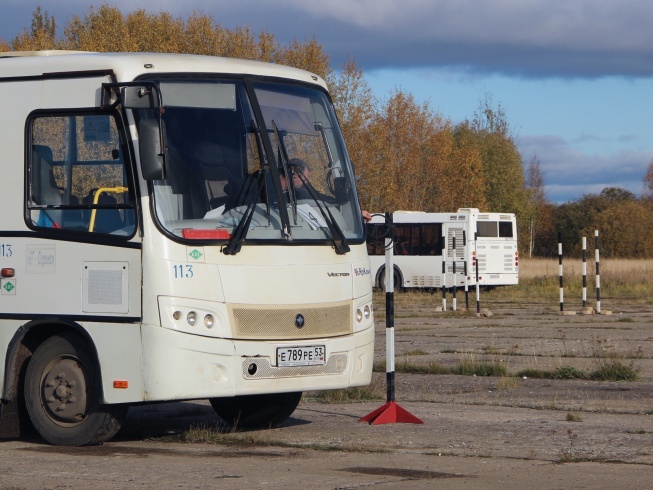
[{"x": 269, "y": 322}]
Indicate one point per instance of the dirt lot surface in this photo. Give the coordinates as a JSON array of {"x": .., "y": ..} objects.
[{"x": 477, "y": 432}]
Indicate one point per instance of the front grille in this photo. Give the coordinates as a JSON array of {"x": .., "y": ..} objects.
[{"x": 270, "y": 322}]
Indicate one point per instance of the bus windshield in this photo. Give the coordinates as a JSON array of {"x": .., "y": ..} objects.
[{"x": 261, "y": 159}]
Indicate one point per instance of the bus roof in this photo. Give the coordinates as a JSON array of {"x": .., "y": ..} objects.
[{"x": 128, "y": 66}]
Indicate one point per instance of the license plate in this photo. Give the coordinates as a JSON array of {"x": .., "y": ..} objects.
[{"x": 310, "y": 355}]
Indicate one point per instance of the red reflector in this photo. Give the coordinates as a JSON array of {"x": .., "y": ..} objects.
[
  {"x": 120, "y": 384},
  {"x": 219, "y": 234},
  {"x": 7, "y": 272}
]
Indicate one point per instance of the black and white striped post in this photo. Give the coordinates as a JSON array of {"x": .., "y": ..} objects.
[
  {"x": 584, "y": 272},
  {"x": 560, "y": 270},
  {"x": 444, "y": 283},
  {"x": 598, "y": 275},
  {"x": 390, "y": 412},
  {"x": 465, "y": 272},
  {"x": 476, "y": 266},
  {"x": 453, "y": 299}
]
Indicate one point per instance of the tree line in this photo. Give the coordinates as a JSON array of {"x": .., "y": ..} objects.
[{"x": 406, "y": 156}]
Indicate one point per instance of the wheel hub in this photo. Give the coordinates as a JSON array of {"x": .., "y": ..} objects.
[{"x": 64, "y": 392}]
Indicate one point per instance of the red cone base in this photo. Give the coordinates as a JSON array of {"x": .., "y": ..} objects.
[{"x": 390, "y": 413}]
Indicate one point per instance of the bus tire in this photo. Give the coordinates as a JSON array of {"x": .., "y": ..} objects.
[
  {"x": 256, "y": 411},
  {"x": 62, "y": 395}
]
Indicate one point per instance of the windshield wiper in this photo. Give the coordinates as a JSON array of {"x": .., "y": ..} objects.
[
  {"x": 240, "y": 232},
  {"x": 337, "y": 236}
]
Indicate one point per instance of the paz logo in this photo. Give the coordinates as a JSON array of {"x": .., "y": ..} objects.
[
  {"x": 195, "y": 254},
  {"x": 8, "y": 286}
]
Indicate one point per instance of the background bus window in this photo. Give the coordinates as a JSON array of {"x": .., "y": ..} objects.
[
  {"x": 505, "y": 229},
  {"x": 487, "y": 229},
  {"x": 427, "y": 239},
  {"x": 402, "y": 239}
]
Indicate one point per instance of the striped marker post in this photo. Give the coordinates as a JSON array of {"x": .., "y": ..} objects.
[
  {"x": 584, "y": 272},
  {"x": 598, "y": 275},
  {"x": 476, "y": 266},
  {"x": 560, "y": 271},
  {"x": 444, "y": 284},
  {"x": 453, "y": 300},
  {"x": 390, "y": 412}
]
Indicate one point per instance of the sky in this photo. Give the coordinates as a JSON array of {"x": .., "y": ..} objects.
[{"x": 574, "y": 77}]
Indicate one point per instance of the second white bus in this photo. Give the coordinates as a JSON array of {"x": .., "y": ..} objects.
[{"x": 423, "y": 242}]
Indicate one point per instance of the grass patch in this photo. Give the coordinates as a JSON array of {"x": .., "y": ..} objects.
[
  {"x": 470, "y": 367},
  {"x": 612, "y": 369},
  {"x": 568, "y": 372},
  {"x": 573, "y": 417},
  {"x": 416, "y": 352},
  {"x": 508, "y": 383},
  {"x": 375, "y": 391}
]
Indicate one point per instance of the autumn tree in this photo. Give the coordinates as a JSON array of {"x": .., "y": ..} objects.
[
  {"x": 40, "y": 36},
  {"x": 535, "y": 222}
]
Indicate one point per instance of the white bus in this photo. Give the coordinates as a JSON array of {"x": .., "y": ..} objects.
[
  {"x": 423, "y": 242},
  {"x": 152, "y": 248}
]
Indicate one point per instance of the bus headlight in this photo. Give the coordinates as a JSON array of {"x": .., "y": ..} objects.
[
  {"x": 209, "y": 321},
  {"x": 359, "y": 315},
  {"x": 367, "y": 312},
  {"x": 191, "y": 318}
]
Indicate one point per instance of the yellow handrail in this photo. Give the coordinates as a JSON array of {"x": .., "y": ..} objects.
[{"x": 96, "y": 198}]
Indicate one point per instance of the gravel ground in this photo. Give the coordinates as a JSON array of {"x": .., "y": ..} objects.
[{"x": 477, "y": 431}]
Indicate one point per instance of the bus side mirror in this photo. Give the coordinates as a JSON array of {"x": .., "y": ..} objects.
[
  {"x": 152, "y": 149},
  {"x": 138, "y": 98}
]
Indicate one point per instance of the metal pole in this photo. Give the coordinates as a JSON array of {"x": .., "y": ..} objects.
[
  {"x": 453, "y": 300},
  {"x": 598, "y": 275},
  {"x": 560, "y": 270},
  {"x": 478, "y": 288},
  {"x": 584, "y": 272},
  {"x": 389, "y": 311},
  {"x": 444, "y": 282}
]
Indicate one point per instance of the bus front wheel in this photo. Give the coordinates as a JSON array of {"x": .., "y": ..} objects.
[
  {"x": 62, "y": 395},
  {"x": 256, "y": 411}
]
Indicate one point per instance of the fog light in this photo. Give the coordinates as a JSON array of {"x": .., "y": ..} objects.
[
  {"x": 191, "y": 318},
  {"x": 176, "y": 315},
  {"x": 209, "y": 321}
]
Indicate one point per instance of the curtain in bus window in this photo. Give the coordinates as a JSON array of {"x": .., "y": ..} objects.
[
  {"x": 429, "y": 243},
  {"x": 402, "y": 239},
  {"x": 505, "y": 229}
]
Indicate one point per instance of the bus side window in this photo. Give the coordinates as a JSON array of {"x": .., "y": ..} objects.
[{"x": 77, "y": 174}]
